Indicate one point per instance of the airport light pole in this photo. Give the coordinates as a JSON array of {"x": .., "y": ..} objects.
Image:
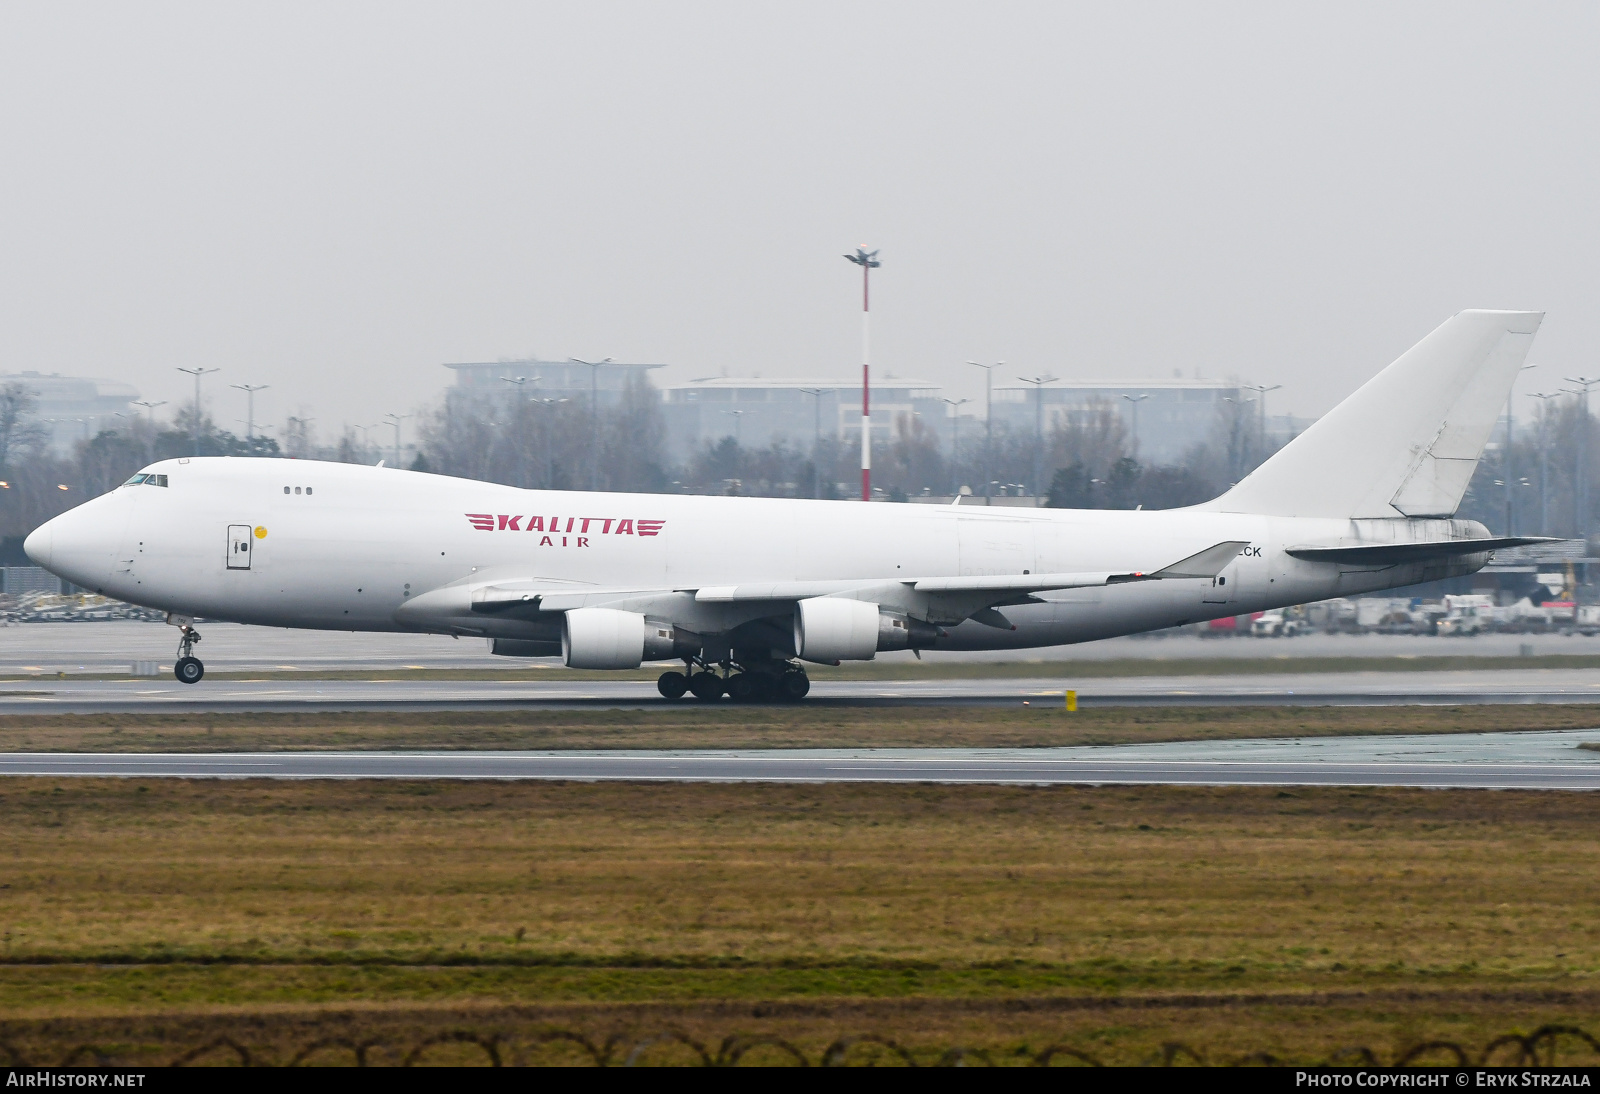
[
  {"x": 988, "y": 424},
  {"x": 594, "y": 417},
  {"x": 1134, "y": 401},
  {"x": 1544, "y": 457},
  {"x": 151, "y": 407},
  {"x": 395, "y": 420},
  {"x": 520, "y": 381},
  {"x": 955, "y": 436},
  {"x": 549, "y": 449},
  {"x": 1038, "y": 383},
  {"x": 297, "y": 435},
  {"x": 1580, "y": 477},
  {"x": 1261, "y": 390},
  {"x": 816, "y": 394},
  {"x": 738, "y": 428},
  {"x": 868, "y": 261},
  {"x": 195, "y": 425},
  {"x": 250, "y": 407},
  {"x": 1506, "y": 472}
]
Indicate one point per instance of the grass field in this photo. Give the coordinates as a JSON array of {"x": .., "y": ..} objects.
[
  {"x": 148, "y": 914},
  {"x": 755, "y": 727}
]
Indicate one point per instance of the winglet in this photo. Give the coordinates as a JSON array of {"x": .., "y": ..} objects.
[{"x": 1208, "y": 563}]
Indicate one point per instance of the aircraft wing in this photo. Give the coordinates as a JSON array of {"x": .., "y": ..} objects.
[
  {"x": 1204, "y": 564},
  {"x": 947, "y": 599}
]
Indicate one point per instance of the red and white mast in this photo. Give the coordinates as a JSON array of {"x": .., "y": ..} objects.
[{"x": 868, "y": 261}]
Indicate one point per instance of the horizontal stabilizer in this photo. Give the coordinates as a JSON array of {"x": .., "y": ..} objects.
[{"x": 1393, "y": 554}]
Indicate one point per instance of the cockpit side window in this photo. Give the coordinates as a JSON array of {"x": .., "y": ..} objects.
[
  {"x": 145, "y": 479},
  {"x": 136, "y": 480}
]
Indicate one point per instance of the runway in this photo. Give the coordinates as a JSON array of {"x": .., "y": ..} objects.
[
  {"x": 101, "y": 648},
  {"x": 167, "y": 696},
  {"x": 1539, "y": 761}
]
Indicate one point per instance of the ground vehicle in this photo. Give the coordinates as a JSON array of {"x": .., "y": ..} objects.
[
  {"x": 1466, "y": 614},
  {"x": 1275, "y": 624}
]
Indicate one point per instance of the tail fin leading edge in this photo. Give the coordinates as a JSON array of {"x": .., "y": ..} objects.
[{"x": 1406, "y": 443}]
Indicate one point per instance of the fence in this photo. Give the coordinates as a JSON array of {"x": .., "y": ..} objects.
[
  {"x": 21, "y": 580},
  {"x": 1547, "y": 1046}
]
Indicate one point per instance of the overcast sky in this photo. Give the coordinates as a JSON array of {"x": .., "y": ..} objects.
[{"x": 334, "y": 199}]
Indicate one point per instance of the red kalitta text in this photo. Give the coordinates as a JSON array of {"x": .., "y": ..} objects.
[{"x": 568, "y": 529}]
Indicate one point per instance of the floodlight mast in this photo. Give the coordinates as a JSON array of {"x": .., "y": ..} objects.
[
  {"x": 1544, "y": 460},
  {"x": 816, "y": 394},
  {"x": 395, "y": 420},
  {"x": 1261, "y": 408},
  {"x": 955, "y": 406},
  {"x": 250, "y": 407},
  {"x": 594, "y": 416},
  {"x": 988, "y": 424},
  {"x": 1580, "y": 478},
  {"x": 197, "y": 373},
  {"x": 1134, "y": 401},
  {"x": 868, "y": 261}
]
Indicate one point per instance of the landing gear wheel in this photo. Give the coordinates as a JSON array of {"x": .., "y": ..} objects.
[
  {"x": 188, "y": 670},
  {"x": 672, "y": 685},
  {"x": 706, "y": 685},
  {"x": 742, "y": 688},
  {"x": 795, "y": 685}
]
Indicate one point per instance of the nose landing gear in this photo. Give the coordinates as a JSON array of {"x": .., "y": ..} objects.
[{"x": 188, "y": 668}]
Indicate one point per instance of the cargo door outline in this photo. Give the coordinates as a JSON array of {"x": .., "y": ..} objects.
[
  {"x": 239, "y": 546},
  {"x": 990, "y": 547}
]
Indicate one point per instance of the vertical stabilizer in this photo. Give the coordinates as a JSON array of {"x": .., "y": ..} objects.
[{"x": 1406, "y": 443}]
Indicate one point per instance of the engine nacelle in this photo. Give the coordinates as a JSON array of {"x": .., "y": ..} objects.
[
  {"x": 829, "y": 629},
  {"x": 605, "y": 638},
  {"x": 898, "y": 632},
  {"x": 524, "y": 647}
]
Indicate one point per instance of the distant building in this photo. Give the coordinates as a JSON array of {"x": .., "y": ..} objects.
[
  {"x": 75, "y": 408},
  {"x": 547, "y": 379},
  {"x": 1174, "y": 415},
  {"x": 758, "y": 411}
]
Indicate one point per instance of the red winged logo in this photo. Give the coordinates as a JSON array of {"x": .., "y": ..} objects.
[{"x": 612, "y": 526}]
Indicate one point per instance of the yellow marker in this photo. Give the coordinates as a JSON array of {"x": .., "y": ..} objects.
[
  {"x": 1072, "y": 700},
  {"x": 261, "y": 532}
]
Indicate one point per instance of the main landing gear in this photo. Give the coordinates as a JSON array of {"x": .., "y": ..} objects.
[
  {"x": 771, "y": 681},
  {"x": 188, "y": 668}
]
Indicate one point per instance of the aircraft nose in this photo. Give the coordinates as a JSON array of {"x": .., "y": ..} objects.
[
  {"x": 38, "y": 544},
  {"x": 78, "y": 544}
]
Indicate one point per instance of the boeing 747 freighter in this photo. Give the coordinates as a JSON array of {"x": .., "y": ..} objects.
[{"x": 745, "y": 591}]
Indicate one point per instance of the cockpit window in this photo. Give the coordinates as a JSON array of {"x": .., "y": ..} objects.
[
  {"x": 136, "y": 480},
  {"x": 145, "y": 479}
]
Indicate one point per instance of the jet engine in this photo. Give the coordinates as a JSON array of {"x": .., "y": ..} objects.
[
  {"x": 524, "y": 647},
  {"x": 830, "y": 629},
  {"x": 604, "y": 638}
]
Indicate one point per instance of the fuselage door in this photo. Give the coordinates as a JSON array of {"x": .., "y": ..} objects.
[
  {"x": 1224, "y": 588},
  {"x": 239, "y": 546}
]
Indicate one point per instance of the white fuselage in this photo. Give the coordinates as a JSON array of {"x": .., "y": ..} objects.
[{"x": 348, "y": 547}]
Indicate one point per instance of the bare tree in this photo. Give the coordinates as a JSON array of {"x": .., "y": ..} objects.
[{"x": 20, "y": 432}]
